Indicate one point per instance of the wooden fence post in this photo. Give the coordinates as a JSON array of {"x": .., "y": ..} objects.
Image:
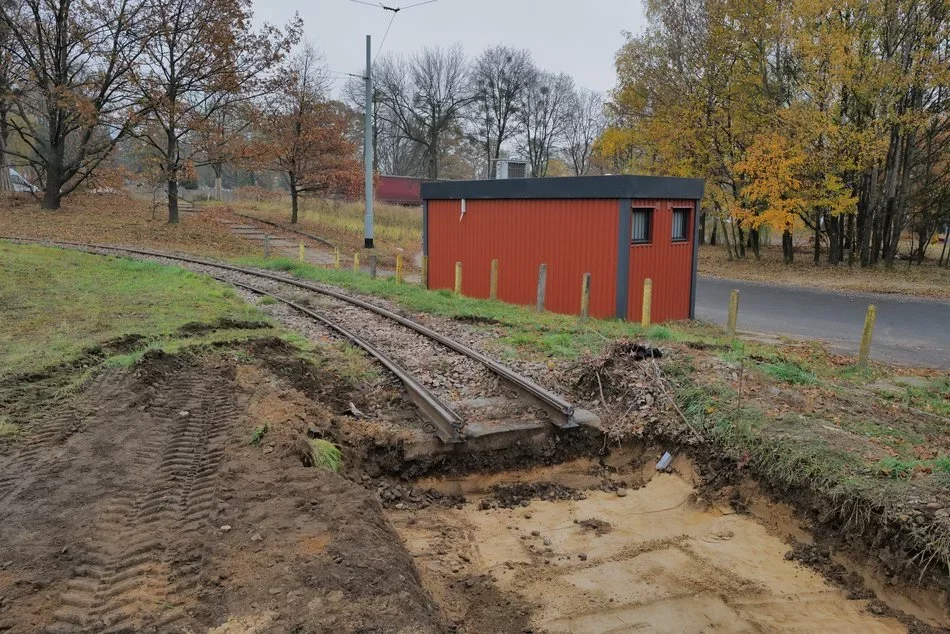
[
  {"x": 493, "y": 282},
  {"x": 336, "y": 261},
  {"x": 372, "y": 266},
  {"x": 733, "y": 312},
  {"x": 356, "y": 262},
  {"x": 425, "y": 271},
  {"x": 585, "y": 298},
  {"x": 865, "y": 352},
  {"x": 266, "y": 245},
  {"x": 458, "y": 278},
  {"x": 542, "y": 282},
  {"x": 399, "y": 268},
  {"x": 302, "y": 258},
  {"x": 647, "y": 307}
]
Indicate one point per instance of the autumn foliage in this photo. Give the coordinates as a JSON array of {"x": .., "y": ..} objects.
[{"x": 303, "y": 136}]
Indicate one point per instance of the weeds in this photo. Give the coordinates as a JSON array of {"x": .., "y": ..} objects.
[
  {"x": 789, "y": 372},
  {"x": 257, "y": 435},
  {"x": 9, "y": 432},
  {"x": 326, "y": 455}
]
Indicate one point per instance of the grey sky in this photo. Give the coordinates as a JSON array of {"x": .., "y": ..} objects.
[{"x": 577, "y": 37}]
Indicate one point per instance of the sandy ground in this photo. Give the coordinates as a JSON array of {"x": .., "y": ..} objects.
[{"x": 652, "y": 560}]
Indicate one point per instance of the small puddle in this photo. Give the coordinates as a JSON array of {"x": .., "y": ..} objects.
[{"x": 648, "y": 561}]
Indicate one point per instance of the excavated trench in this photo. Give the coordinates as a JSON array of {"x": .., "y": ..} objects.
[{"x": 562, "y": 548}]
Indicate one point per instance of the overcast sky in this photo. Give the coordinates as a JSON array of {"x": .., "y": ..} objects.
[{"x": 578, "y": 37}]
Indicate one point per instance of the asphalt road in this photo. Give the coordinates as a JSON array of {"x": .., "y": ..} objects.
[{"x": 908, "y": 331}]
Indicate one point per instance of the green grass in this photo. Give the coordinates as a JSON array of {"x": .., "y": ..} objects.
[
  {"x": 257, "y": 435},
  {"x": 56, "y": 304},
  {"x": 9, "y": 431},
  {"x": 326, "y": 455},
  {"x": 789, "y": 372}
]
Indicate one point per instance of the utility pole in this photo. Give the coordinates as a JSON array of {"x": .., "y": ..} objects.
[{"x": 368, "y": 150}]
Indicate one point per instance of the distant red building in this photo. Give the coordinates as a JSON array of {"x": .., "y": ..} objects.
[{"x": 399, "y": 190}]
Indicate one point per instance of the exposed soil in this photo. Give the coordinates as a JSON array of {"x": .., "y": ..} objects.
[
  {"x": 139, "y": 505},
  {"x": 668, "y": 562}
]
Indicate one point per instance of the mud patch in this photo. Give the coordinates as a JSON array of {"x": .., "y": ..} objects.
[
  {"x": 510, "y": 496},
  {"x": 139, "y": 505}
]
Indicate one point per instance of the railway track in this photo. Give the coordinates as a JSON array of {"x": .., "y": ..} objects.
[{"x": 488, "y": 392}]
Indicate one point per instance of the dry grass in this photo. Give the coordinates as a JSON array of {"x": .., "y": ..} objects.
[
  {"x": 397, "y": 229},
  {"x": 924, "y": 281},
  {"x": 116, "y": 219}
]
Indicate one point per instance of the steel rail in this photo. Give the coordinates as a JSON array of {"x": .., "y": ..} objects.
[
  {"x": 447, "y": 423},
  {"x": 562, "y": 412}
]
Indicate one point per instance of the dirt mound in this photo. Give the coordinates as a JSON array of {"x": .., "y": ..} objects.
[{"x": 140, "y": 505}]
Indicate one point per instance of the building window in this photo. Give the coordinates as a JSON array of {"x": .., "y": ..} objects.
[
  {"x": 680, "y": 225},
  {"x": 640, "y": 233}
]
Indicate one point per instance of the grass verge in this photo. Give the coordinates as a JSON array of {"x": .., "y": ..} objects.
[{"x": 55, "y": 304}]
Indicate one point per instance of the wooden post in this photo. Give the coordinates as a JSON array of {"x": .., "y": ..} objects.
[
  {"x": 865, "y": 352},
  {"x": 733, "y": 312},
  {"x": 266, "y": 245},
  {"x": 493, "y": 284},
  {"x": 647, "y": 303},
  {"x": 585, "y": 298},
  {"x": 356, "y": 262},
  {"x": 399, "y": 268},
  {"x": 458, "y": 278},
  {"x": 336, "y": 262},
  {"x": 302, "y": 258},
  {"x": 425, "y": 271},
  {"x": 372, "y": 267},
  {"x": 542, "y": 282}
]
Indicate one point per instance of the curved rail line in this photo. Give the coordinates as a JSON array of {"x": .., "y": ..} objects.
[{"x": 562, "y": 413}]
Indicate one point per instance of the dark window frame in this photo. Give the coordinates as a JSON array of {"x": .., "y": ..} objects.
[
  {"x": 649, "y": 213},
  {"x": 686, "y": 211}
]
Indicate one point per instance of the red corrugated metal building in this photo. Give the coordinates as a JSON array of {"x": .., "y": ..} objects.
[
  {"x": 398, "y": 190},
  {"x": 620, "y": 229}
]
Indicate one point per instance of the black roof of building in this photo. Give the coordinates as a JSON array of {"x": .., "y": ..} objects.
[{"x": 567, "y": 187}]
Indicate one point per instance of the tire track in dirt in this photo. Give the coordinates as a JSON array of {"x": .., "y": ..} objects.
[
  {"x": 35, "y": 459},
  {"x": 145, "y": 560}
]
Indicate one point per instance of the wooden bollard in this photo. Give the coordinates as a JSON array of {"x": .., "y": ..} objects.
[
  {"x": 356, "y": 262},
  {"x": 865, "y": 352},
  {"x": 399, "y": 268},
  {"x": 585, "y": 297},
  {"x": 458, "y": 278},
  {"x": 425, "y": 271},
  {"x": 542, "y": 283},
  {"x": 266, "y": 245},
  {"x": 647, "y": 303},
  {"x": 493, "y": 281},
  {"x": 733, "y": 312},
  {"x": 302, "y": 252},
  {"x": 372, "y": 267},
  {"x": 336, "y": 261}
]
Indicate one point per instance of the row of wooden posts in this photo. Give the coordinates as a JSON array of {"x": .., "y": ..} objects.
[{"x": 645, "y": 316}]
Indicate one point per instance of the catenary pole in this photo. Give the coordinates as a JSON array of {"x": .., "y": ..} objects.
[{"x": 368, "y": 150}]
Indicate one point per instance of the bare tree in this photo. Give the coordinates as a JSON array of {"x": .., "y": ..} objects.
[
  {"x": 202, "y": 56},
  {"x": 585, "y": 123},
  {"x": 6, "y": 93},
  {"x": 424, "y": 96},
  {"x": 69, "y": 64},
  {"x": 543, "y": 111},
  {"x": 500, "y": 77}
]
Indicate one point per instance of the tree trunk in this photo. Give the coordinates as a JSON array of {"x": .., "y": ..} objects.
[
  {"x": 218, "y": 170},
  {"x": 6, "y": 185},
  {"x": 702, "y": 228},
  {"x": 713, "y": 236},
  {"x": 817, "y": 247},
  {"x": 725, "y": 238},
  {"x": 293, "y": 199},
  {"x": 788, "y": 248},
  {"x": 171, "y": 167},
  {"x": 754, "y": 243},
  {"x": 739, "y": 241}
]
